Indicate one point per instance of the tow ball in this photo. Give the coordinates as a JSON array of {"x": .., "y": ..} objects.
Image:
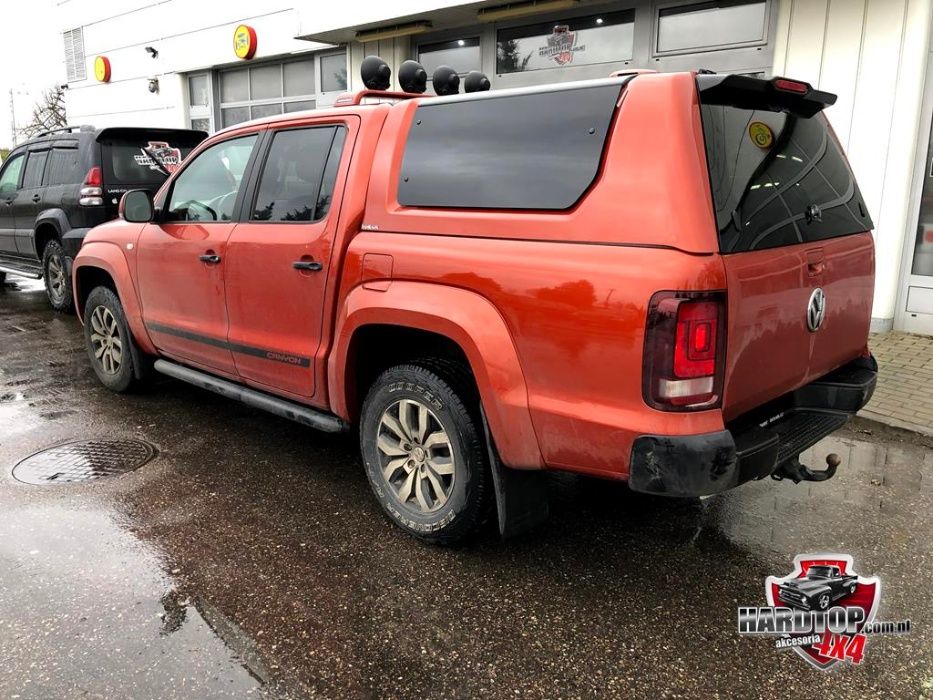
[{"x": 792, "y": 469}]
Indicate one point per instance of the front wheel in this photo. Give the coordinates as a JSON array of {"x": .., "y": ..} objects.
[
  {"x": 424, "y": 453},
  {"x": 56, "y": 271},
  {"x": 108, "y": 340},
  {"x": 822, "y": 601}
]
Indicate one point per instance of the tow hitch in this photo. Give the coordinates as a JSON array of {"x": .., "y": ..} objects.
[{"x": 792, "y": 469}]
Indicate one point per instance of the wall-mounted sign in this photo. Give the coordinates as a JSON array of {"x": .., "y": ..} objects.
[
  {"x": 244, "y": 42},
  {"x": 102, "y": 69}
]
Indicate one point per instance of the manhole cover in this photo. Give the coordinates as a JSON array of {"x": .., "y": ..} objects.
[{"x": 83, "y": 460}]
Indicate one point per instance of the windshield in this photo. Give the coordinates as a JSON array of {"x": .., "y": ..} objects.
[
  {"x": 778, "y": 179},
  {"x": 820, "y": 572}
]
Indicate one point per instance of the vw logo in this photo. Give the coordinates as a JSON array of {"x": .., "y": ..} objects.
[{"x": 816, "y": 310}]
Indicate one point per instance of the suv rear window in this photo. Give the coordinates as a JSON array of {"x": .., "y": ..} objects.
[
  {"x": 778, "y": 178},
  {"x": 537, "y": 150},
  {"x": 137, "y": 158}
]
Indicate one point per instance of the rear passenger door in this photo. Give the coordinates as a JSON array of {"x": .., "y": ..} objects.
[{"x": 279, "y": 256}]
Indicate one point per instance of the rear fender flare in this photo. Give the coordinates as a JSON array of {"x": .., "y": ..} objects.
[
  {"x": 474, "y": 324},
  {"x": 109, "y": 258}
]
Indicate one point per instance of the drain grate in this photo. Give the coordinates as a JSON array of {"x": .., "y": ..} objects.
[{"x": 83, "y": 460}]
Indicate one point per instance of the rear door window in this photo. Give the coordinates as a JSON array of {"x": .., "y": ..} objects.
[
  {"x": 35, "y": 166},
  {"x": 207, "y": 189},
  {"x": 778, "y": 179},
  {"x": 296, "y": 182},
  {"x": 63, "y": 167},
  {"x": 538, "y": 150}
]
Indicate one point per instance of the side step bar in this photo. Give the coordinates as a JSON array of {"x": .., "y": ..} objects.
[
  {"x": 258, "y": 399},
  {"x": 24, "y": 268}
]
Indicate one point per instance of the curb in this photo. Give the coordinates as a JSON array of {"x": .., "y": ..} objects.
[{"x": 895, "y": 423}]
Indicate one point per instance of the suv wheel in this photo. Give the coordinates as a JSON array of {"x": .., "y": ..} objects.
[
  {"x": 56, "y": 270},
  {"x": 108, "y": 340},
  {"x": 424, "y": 453}
]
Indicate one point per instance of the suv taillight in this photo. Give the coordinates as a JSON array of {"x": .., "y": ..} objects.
[
  {"x": 92, "y": 193},
  {"x": 684, "y": 350}
]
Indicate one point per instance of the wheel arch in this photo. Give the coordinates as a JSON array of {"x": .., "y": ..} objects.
[
  {"x": 102, "y": 263},
  {"x": 457, "y": 322}
]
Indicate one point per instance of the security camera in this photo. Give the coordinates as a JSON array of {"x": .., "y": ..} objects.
[
  {"x": 153, "y": 85},
  {"x": 152, "y": 51}
]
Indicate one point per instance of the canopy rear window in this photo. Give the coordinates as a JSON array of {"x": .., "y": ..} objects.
[{"x": 777, "y": 173}]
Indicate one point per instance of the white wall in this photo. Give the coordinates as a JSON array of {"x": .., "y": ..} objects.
[
  {"x": 188, "y": 35},
  {"x": 872, "y": 54}
]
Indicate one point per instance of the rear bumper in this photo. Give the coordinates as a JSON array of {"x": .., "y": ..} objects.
[{"x": 755, "y": 445}]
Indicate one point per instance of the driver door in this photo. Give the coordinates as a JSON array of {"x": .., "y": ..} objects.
[
  {"x": 9, "y": 185},
  {"x": 181, "y": 256}
]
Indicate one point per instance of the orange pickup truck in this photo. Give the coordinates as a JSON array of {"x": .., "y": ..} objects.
[{"x": 659, "y": 278}]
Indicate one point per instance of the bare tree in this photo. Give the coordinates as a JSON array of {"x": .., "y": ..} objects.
[{"x": 48, "y": 113}]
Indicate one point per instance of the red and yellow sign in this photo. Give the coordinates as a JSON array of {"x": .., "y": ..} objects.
[
  {"x": 102, "y": 69},
  {"x": 244, "y": 42}
]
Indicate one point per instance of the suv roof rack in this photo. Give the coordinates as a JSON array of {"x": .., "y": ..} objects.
[{"x": 62, "y": 129}]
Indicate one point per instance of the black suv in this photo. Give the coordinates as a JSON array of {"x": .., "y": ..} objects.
[{"x": 57, "y": 186}]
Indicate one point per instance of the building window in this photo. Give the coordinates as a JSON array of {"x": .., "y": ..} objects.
[
  {"x": 463, "y": 55},
  {"x": 75, "y": 67},
  {"x": 608, "y": 37},
  {"x": 276, "y": 88},
  {"x": 199, "y": 101},
  {"x": 711, "y": 25},
  {"x": 334, "y": 72}
]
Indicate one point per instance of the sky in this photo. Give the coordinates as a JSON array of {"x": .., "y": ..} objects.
[{"x": 31, "y": 59}]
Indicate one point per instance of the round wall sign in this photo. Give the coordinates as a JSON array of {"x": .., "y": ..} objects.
[
  {"x": 244, "y": 42},
  {"x": 102, "y": 69}
]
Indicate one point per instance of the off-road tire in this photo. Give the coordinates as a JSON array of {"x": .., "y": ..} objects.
[
  {"x": 56, "y": 273},
  {"x": 105, "y": 303},
  {"x": 446, "y": 390}
]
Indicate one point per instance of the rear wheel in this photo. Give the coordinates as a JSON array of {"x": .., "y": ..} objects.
[
  {"x": 424, "y": 453},
  {"x": 56, "y": 271},
  {"x": 110, "y": 345}
]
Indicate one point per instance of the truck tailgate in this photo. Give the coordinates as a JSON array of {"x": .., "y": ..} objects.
[{"x": 794, "y": 236}]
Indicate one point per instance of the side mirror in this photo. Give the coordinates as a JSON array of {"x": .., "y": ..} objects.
[{"x": 136, "y": 207}]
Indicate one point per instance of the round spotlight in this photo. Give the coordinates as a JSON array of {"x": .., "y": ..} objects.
[
  {"x": 475, "y": 82},
  {"x": 375, "y": 73},
  {"x": 446, "y": 81},
  {"x": 412, "y": 77}
]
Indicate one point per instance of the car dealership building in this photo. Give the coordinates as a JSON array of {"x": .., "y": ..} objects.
[{"x": 212, "y": 64}]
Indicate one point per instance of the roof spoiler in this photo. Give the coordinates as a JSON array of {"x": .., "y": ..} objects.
[
  {"x": 777, "y": 94},
  {"x": 130, "y": 132}
]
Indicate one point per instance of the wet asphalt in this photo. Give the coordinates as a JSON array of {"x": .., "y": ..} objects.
[{"x": 248, "y": 559}]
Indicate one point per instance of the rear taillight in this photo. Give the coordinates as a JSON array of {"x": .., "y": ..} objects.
[
  {"x": 684, "y": 350},
  {"x": 92, "y": 192}
]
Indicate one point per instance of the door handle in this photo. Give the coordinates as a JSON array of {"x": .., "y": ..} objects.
[
  {"x": 210, "y": 259},
  {"x": 36, "y": 198},
  {"x": 307, "y": 265}
]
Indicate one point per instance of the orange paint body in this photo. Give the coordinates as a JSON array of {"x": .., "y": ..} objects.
[{"x": 549, "y": 307}]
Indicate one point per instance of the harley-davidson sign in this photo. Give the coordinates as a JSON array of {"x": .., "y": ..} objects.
[{"x": 561, "y": 45}]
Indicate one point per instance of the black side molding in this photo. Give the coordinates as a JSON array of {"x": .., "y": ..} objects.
[{"x": 280, "y": 407}]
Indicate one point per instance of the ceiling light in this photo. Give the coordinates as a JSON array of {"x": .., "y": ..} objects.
[
  {"x": 393, "y": 32},
  {"x": 522, "y": 9}
]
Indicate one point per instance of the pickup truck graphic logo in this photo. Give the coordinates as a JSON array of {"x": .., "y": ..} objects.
[{"x": 823, "y": 610}]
